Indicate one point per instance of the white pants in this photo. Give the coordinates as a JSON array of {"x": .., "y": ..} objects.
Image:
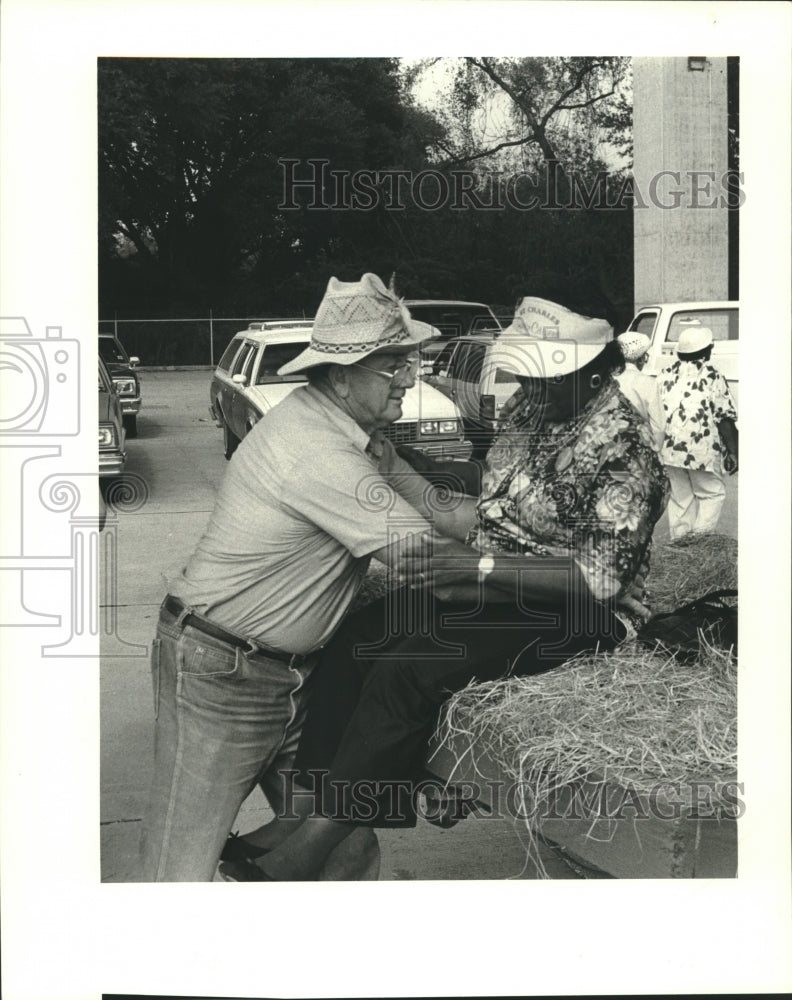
[{"x": 696, "y": 500}]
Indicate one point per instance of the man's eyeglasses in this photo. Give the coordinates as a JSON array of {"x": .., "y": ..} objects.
[{"x": 407, "y": 369}]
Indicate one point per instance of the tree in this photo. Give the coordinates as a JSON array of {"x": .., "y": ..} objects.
[{"x": 190, "y": 181}]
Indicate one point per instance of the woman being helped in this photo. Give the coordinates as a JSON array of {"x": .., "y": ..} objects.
[{"x": 561, "y": 538}]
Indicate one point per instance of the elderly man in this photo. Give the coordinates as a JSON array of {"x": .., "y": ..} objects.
[
  {"x": 303, "y": 508},
  {"x": 641, "y": 389}
]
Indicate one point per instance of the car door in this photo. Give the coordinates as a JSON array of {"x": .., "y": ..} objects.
[
  {"x": 231, "y": 390},
  {"x": 243, "y": 413},
  {"x": 219, "y": 390}
]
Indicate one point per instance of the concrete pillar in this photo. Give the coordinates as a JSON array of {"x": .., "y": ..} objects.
[{"x": 681, "y": 218}]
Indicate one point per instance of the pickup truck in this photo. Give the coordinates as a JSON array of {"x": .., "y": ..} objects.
[{"x": 664, "y": 322}]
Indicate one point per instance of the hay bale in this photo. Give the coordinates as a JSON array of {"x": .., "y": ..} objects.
[
  {"x": 631, "y": 718},
  {"x": 689, "y": 568},
  {"x": 627, "y": 720}
]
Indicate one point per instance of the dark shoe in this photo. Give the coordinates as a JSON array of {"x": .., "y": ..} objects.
[
  {"x": 450, "y": 807},
  {"x": 242, "y": 871},
  {"x": 238, "y": 849}
]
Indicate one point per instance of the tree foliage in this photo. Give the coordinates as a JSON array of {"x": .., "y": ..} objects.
[{"x": 191, "y": 187}]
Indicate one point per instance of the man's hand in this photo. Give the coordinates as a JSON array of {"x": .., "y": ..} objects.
[{"x": 730, "y": 463}]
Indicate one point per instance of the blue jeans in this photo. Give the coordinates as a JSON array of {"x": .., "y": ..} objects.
[{"x": 225, "y": 721}]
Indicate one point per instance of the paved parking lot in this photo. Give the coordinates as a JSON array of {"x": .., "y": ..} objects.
[{"x": 178, "y": 459}]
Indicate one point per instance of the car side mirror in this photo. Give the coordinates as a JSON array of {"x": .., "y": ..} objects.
[
  {"x": 239, "y": 379},
  {"x": 134, "y": 361}
]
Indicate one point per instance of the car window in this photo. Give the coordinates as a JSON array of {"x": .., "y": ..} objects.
[
  {"x": 111, "y": 351},
  {"x": 242, "y": 358},
  {"x": 455, "y": 320},
  {"x": 724, "y": 323},
  {"x": 247, "y": 368},
  {"x": 484, "y": 324},
  {"x": 228, "y": 355},
  {"x": 443, "y": 361},
  {"x": 470, "y": 363},
  {"x": 502, "y": 377},
  {"x": 644, "y": 323},
  {"x": 273, "y": 357},
  {"x": 104, "y": 379}
]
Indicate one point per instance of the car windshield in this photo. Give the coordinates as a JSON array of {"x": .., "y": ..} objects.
[
  {"x": 455, "y": 320},
  {"x": 724, "y": 323},
  {"x": 111, "y": 351},
  {"x": 274, "y": 357}
]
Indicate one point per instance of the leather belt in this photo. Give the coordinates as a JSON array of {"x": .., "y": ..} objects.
[{"x": 177, "y": 608}]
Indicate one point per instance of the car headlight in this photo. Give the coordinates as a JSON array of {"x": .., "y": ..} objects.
[
  {"x": 435, "y": 427},
  {"x": 125, "y": 386},
  {"x": 107, "y": 436}
]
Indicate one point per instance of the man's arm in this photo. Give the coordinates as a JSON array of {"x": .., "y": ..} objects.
[{"x": 452, "y": 514}]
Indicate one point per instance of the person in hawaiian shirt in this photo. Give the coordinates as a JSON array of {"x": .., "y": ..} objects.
[
  {"x": 557, "y": 549},
  {"x": 701, "y": 440}
]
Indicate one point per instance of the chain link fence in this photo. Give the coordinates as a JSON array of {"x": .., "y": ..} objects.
[{"x": 178, "y": 343}]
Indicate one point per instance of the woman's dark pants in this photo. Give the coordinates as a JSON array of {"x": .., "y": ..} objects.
[{"x": 386, "y": 673}]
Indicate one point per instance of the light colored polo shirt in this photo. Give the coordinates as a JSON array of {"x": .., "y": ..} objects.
[
  {"x": 643, "y": 392},
  {"x": 301, "y": 508}
]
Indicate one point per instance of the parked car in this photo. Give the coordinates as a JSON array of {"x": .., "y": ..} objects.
[
  {"x": 664, "y": 322},
  {"x": 112, "y": 436},
  {"x": 246, "y": 385},
  {"x": 125, "y": 378},
  {"x": 467, "y": 376},
  {"x": 453, "y": 319}
]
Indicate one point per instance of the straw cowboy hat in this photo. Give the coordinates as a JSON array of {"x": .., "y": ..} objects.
[
  {"x": 546, "y": 340},
  {"x": 634, "y": 345},
  {"x": 356, "y": 318}
]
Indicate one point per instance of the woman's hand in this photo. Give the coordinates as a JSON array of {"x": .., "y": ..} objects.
[
  {"x": 730, "y": 463},
  {"x": 632, "y": 600},
  {"x": 634, "y": 606}
]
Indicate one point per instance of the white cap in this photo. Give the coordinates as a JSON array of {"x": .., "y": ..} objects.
[
  {"x": 694, "y": 338},
  {"x": 634, "y": 345}
]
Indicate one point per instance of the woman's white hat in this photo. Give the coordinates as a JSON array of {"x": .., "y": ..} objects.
[
  {"x": 545, "y": 340},
  {"x": 694, "y": 338},
  {"x": 354, "y": 319},
  {"x": 634, "y": 345}
]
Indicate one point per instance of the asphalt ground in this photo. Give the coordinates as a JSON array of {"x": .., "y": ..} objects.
[{"x": 175, "y": 466}]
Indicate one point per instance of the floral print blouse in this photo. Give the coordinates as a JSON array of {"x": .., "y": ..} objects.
[
  {"x": 591, "y": 487},
  {"x": 695, "y": 399}
]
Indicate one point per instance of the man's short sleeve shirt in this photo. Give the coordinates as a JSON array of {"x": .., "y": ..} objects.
[{"x": 300, "y": 510}]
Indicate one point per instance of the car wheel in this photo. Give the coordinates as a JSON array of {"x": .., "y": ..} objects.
[
  {"x": 130, "y": 425},
  {"x": 230, "y": 440}
]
